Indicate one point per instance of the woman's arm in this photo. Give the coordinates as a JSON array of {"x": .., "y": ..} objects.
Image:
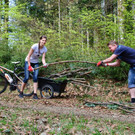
[
  {"x": 43, "y": 58},
  {"x": 29, "y": 54}
]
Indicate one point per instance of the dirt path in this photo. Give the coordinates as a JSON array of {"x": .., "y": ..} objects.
[{"x": 86, "y": 112}]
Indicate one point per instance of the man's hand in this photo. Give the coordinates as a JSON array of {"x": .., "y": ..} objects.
[
  {"x": 106, "y": 64},
  {"x": 45, "y": 65},
  {"x": 30, "y": 68},
  {"x": 100, "y": 63}
]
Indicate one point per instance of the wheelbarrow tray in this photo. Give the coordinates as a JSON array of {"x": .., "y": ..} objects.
[{"x": 58, "y": 86}]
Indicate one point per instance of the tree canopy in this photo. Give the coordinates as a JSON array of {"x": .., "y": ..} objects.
[{"x": 76, "y": 29}]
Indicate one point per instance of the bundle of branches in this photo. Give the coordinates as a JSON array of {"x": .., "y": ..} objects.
[{"x": 76, "y": 75}]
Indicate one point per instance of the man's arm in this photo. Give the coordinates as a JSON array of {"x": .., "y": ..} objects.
[
  {"x": 110, "y": 59},
  {"x": 107, "y": 61},
  {"x": 115, "y": 64}
]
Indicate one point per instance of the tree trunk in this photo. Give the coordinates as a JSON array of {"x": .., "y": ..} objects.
[
  {"x": 70, "y": 21},
  {"x": 6, "y": 17},
  {"x": 88, "y": 39},
  {"x": 59, "y": 24},
  {"x": 103, "y": 7},
  {"x": 82, "y": 36},
  {"x": 120, "y": 9}
]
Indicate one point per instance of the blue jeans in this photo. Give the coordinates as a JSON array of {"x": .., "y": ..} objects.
[
  {"x": 131, "y": 78},
  {"x": 27, "y": 73}
]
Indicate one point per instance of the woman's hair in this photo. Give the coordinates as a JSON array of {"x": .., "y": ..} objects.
[
  {"x": 112, "y": 42},
  {"x": 39, "y": 42},
  {"x": 43, "y": 37}
]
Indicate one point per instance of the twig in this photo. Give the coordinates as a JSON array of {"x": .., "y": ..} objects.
[{"x": 85, "y": 73}]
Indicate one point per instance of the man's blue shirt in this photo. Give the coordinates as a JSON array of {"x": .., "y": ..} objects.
[{"x": 126, "y": 54}]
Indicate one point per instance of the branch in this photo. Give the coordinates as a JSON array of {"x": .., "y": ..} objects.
[
  {"x": 70, "y": 61},
  {"x": 120, "y": 106},
  {"x": 124, "y": 106},
  {"x": 76, "y": 80},
  {"x": 83, "y": 84}
]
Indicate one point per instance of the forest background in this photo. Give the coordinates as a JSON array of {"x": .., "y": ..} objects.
[{"x": 76, "y": 30}]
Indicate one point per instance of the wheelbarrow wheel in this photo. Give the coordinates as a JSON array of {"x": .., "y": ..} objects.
[{"x": 47, "y": 91}]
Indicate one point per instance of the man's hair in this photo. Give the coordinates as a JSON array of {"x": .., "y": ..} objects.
[{"x": 112, "y": 42}]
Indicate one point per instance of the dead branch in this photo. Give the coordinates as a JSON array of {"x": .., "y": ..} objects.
[
  {"x": 65, "y": 70},
  {"x": 70, "y": 61},
  {"x": 75, "y": 80},
  {"x": 124, "y": 106},
  {"x": 82, "y": 74},
  {"x": 70, "y": 72},
  {"x": 120, "y": 106},
  {"x": 55, "y": 76},
  {"x": 97, "y": 103},
  {"x": 84, "y": 85},
  {"x": 127, "y": 111},
  {"x": 82, "y": 79}
]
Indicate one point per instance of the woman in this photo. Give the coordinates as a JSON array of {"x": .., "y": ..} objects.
[{"x": 32, "y": 61}]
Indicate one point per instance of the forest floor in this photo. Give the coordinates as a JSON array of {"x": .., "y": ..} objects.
[{"x": 73, "y": 102}]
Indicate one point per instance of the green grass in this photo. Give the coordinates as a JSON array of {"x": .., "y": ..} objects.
[{"x": 19, "y": 120}]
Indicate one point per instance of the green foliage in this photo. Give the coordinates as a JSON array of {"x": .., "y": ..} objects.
[
  {"x": 5, "y": 52},
  {"x": 83, "y": 32}
]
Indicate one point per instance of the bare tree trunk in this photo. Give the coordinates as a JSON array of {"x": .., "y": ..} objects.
[
  {"x": 88, "y": 39},
  {"x": 70, "y": 19},
  {"x": 59, "y": 24},
  {"x": 120, "y": 9},
  {"x": 69, "y": 7},
  {"x": 82, "y": 36},
  {"x": 103, "y": 7}
]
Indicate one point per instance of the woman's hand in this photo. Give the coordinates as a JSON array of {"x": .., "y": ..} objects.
[
  {"x": 45, "y": 65},
  {"x": 30, "y": 68}
]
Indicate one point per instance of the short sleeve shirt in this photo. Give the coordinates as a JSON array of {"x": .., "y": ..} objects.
[
  {"x": 37, "y": 53},
  {"x": 126, "y": 54}
]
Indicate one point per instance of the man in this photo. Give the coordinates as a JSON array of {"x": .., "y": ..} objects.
[{"x": 124, "y": 53}]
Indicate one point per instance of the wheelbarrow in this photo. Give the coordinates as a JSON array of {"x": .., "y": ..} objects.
[{"x": 50, "y": 88}]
